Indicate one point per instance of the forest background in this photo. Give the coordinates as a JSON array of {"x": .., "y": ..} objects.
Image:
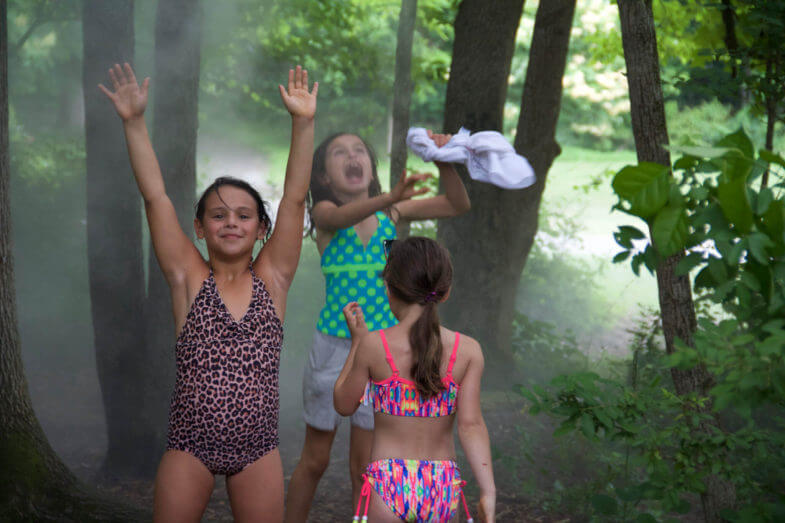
[{"x": 584, "y": 338}]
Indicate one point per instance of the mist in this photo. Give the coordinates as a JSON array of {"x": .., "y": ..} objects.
[{"x": 572, "y": 310}]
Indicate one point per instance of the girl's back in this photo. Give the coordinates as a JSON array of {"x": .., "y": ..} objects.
[{"x": 411, "y": 436}]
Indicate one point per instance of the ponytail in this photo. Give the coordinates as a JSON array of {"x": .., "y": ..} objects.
[{"x": 425, "y": 335}]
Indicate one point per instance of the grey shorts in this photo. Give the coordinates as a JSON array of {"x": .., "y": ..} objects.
[{"x": 324, "y": 364}]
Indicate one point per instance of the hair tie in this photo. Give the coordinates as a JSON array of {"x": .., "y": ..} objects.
[{"x": 431, "y": 297}]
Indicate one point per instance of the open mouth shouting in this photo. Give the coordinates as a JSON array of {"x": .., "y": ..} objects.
[{"x": 354, "y": 173}]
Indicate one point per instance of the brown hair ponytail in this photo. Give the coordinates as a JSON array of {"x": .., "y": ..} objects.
[{"x": 419, "y": 270}]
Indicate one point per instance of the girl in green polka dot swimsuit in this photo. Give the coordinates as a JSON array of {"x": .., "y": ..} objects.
[{"x": 350, "y": 219}]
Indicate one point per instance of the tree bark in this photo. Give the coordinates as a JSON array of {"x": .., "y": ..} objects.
[
  {"x": 34, "y": 484},
  {"x": 114, "y": 244},
  {"x": 675, "y": 294},
  {"x": 489, "y": 246},
  {"x": 175, "y": 99},
  {"x": 402, "y": 96}
]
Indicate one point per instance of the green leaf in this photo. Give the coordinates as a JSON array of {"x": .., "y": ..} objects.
[
  {"x": 772, "y": 157},
  {"x": 765, "y": 197},
  {"x": 699, "y": 152},
  {"x": 735, "y": 204},
  {"x": 604, "y": 504},
  {"x": 773, "y": 222},
  {"x": 757, "y": 243},
  {"x": 587, "y": 426},
  {"x": 704, "y": 279},
  {"x": 688, "y": 263},
  {"x": 645, "y": 186},
  {"x": 623, "y": 255},
  {"x": 739, "y": 141},
  {"x": 564, "y": 428},
  {"x": 670, "y": 230}
]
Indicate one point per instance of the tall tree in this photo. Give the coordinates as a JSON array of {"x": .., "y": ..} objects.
[
  {"x": 175, "y": 123},
  {"x": 650, "y": 132},
  {"x": 502, "y": 222},
  {"x": 114, "y": 244},
  {"x": 34, "y": 484},
  {"x": 402, "y": 95}
]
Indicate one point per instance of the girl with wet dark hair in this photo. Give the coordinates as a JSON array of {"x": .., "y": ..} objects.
[
  {"x": 228, "y": 313},
  {"x": 419, "y": 377},
  {"x": 350, "y": 220}
]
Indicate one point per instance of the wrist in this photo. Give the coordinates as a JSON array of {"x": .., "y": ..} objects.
[
  {"x": 388, "y": 198},
  {"x": 135, "y": 121},
  {"x": 299, "y": 120}
]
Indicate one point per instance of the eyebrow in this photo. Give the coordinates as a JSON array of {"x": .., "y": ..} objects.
[{"x": 241, "y": 208}]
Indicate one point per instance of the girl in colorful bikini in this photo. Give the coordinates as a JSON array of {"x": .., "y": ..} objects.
[
  {"x": 228, "y": 311},
  {"x": 350, "y": 220},
  {"x": 419, "y": 377}
]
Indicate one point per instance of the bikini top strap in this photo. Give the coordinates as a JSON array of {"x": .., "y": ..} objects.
[
  {"x": 454, "y": 354},
  {"x": 388, "y": 355}
]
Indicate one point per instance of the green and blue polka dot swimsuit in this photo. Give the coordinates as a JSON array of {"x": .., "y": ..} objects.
[{"x": 352, "y": 272}]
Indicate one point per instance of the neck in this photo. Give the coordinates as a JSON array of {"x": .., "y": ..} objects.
[
  {"x": 229, "y": 269},
  {"x": 407, "y": 313},
  {"x": 345, "y": 198}
]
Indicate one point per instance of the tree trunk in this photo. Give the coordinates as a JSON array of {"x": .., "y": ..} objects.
[
  {"x": 651, "y": 136},
  {"x": 177, "y": 55},
  {"x": 34, "y": 484},
  {"x": 114, "y": 245},
  {"x": 402, "y": 96},
  {"x": 502, "y": 222}
]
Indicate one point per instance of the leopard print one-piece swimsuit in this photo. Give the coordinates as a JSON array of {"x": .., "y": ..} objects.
[{"x": 224, "y": 409}]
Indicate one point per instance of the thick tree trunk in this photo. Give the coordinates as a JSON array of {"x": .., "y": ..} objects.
[
  {"x": 651, "y": 136},
  {"x": 490, "y": 244},
  {"x": 114, "y": 244},
  {"x": 402, "y": 95},
  {"x": 175, "y": 99},
  {"x": 34, "y": 484}
]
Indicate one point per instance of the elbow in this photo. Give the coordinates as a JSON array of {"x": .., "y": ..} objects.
[
  {"x": 464, "y": 207},
  {"x": 469, "y": 426},
  {"x": 343, "y": 408}
]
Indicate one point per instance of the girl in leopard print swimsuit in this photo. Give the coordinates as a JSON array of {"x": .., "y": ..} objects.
[{"x": 229, "y": 313}]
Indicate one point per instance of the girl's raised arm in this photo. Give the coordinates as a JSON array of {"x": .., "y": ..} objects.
[
  {"x": 175, "y": 252},
  {"x": 472, "y": 430},
  {"x": 329, "y": 217},
  {"x": 453, "y": 202},
  {"x": 278, "y": 259}
]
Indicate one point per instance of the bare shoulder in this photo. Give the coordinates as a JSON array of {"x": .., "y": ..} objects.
[
  {"x": 470, "y": 348},
  {"x": 318, "y": 212}
]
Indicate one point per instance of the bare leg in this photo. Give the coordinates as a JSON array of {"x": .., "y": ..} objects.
[
  {"x": 183, "y": 486},
  {"x": 256, "y": 492},
  {"x": 360, "y": 441},
  {"x": 313, "y": 462}
]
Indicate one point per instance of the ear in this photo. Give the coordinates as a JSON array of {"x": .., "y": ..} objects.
[
  {"x": 199, "y": 228},
  {"x": 446, "y": 295},
  {"x": 261, "y": 232}
]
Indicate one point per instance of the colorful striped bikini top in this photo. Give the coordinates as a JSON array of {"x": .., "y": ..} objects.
[{"x": 399, "y": 397}]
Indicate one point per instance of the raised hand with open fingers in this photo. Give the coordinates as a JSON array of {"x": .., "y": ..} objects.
[
  {"x": 405, "y": 188},
  {"x": 298, "y": 101},
  {"x": 128, "y": 97}
]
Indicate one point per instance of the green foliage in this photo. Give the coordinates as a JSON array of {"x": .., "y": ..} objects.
[
  {"x": 348, "y": 46},
  {"x": 734, "y": 232},
  {"x": 665, "y": 446}
]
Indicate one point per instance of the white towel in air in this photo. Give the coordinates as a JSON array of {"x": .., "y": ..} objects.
[{"x": 487, "y": 154}]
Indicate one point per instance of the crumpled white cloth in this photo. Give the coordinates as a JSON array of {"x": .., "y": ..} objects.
[{"x": 487, "y": 154}]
